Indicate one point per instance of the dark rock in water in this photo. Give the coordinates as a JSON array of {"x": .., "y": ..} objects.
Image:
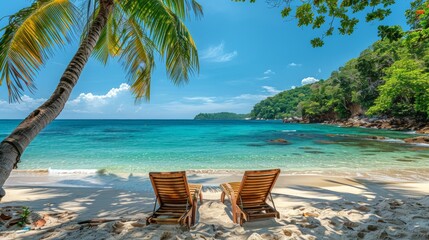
[
  {"x": 255, "y": 145},
  {"x": 331, "y": 135},
  {"x": 279, "y": 141},
  {"x": 314, "y": 152},
  {"x": 420, "y": 139},
  {"x": 376, "y": 137},
  {"x": 324, "y": 142},
  {"x": 405, "y": 160},
  {"x": 307, "y": 148}
]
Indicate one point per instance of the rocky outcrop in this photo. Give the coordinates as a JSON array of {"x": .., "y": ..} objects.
[
  {"x": 293, "y": 120},
  {"x": 420, "y": 139},
  {"x": 424, "y": 130},
  {"x": 384, "y": 123}
]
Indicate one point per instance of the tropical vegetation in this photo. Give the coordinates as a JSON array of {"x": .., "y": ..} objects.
[
  {"x": 221, "y": 116},
  {"x": 391, "y": 78}
]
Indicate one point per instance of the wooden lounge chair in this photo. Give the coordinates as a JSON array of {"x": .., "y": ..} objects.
[
  {"x": 249, "y": 197},
  {"x": 176, "y": 198}
]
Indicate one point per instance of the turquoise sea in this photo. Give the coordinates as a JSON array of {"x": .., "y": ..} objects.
[{"x": 140, "y": 146}]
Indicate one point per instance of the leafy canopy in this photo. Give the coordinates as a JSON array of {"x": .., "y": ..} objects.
[
  {"x": 135, "y": 33},
  {"x": 332, "y": 15}
]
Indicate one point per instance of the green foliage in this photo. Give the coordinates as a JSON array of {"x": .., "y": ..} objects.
[
  {"x": 393, "y": 33},
  {"x": 406, "y": 91},
  {"x": 29, "y": 40},
  {"x": 221, "y": 116},
  {"x": 284, "y": 104},
  {"x": 24, "y": 216},
  {"x": 411, "y": 13},
  {"x": 390, "y": 78},
  {"x": 332, "y": 14}
]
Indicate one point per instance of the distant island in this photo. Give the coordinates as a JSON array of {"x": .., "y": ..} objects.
[{"x": 222, "y": 116}]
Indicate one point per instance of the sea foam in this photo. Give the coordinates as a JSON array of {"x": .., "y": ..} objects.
[{"x": 73, "y": 171}]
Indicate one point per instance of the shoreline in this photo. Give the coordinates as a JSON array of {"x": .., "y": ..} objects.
[
  {"x": 209, "y": 178},
  {"x": 393, "y": 124}
]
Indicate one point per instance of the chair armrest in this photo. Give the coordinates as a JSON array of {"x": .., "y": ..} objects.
[
  {"x": 231, "y": 193},
  {"x": 195, "y": 196}
]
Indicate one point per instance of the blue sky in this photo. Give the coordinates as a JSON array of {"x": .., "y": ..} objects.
[{"x": 247, "y": 53}]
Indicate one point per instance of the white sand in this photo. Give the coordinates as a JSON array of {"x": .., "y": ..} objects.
[{"x": 311, "y": 207}]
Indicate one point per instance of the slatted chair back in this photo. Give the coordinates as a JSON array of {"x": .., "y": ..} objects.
[
  {"x": 256, "y": 186},
  {"x": 171, "y": 188}
]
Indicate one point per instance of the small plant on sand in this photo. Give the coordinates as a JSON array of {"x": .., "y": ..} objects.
[{"x": 24, "y": 216}]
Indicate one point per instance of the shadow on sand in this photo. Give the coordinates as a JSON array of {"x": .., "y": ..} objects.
[{"x": 378, "y": 211}]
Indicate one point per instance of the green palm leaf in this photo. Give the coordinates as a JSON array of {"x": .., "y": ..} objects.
[
  {"x": 30, "y": 38},
  {"x": 109, "y": 43},
  {"x": 137, "y": 57},
  {"x": 170, "y": 36}
]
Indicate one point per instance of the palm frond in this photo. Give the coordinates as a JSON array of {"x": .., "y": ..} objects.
[
  {"x": 169, "y": 34},
  {"x": 29, "y": 40},
  {"x": 108, "y": 45},
  {"x": 182, "y": 8},
  {"x": 137, "y": 58}
]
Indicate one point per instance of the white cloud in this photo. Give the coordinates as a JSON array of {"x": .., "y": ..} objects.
[
  {"x": 292, "y": 87},
  {"x": 218, "y": 54},
  {"x": 269, "y": 72},
  {"x": 309, "y": 80},
  {"x": 95, "y": 101},
  {"x": 201, "y": 99},
  {"x": 292, "y": 64},
  {"x": 27, "y": 104},
  {"x": 251, "y": 97},
  {"x": 270, "y": 89}
]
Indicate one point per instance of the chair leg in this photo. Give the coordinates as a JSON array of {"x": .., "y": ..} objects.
[
  {"x": 201, "y": 196},
  {"x": 222, "y": 197},
  {"x": 234, "y": 212},
  {"x": 194, "y": 213}
]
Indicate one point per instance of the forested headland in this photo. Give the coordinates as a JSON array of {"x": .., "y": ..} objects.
[
  {"x": 390, "y": 79},
  {"x": 221, "y": 116}
]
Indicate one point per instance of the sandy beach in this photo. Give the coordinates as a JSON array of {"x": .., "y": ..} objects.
[{"x": 311, "y": 207}]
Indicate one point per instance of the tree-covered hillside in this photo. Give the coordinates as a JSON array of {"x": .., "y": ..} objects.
[
  {"x": 282, "y": 105},
  {"x": 391, "y": 78}
]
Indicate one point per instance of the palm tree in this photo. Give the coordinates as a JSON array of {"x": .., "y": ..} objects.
[{"x": 131, "y": 30}]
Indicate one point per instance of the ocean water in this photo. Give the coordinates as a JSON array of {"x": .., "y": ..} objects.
[{"x": 141, "y": 146}]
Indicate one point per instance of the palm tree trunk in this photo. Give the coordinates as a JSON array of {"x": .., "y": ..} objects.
[{"x": 12, "y": 147}]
